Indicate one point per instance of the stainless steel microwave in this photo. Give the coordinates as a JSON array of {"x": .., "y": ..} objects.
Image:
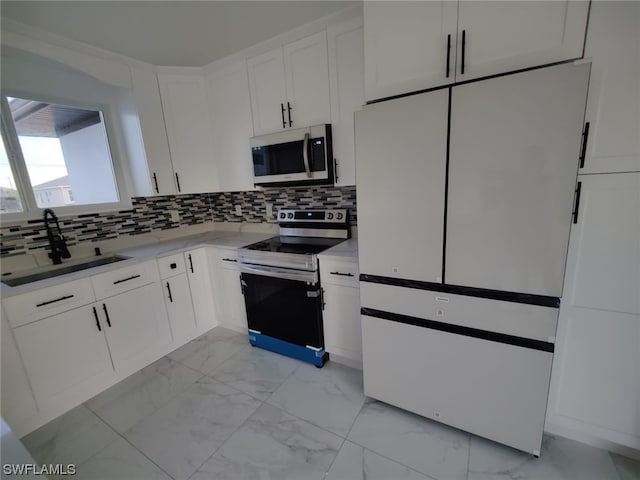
[{"x": 302, "y": 156}]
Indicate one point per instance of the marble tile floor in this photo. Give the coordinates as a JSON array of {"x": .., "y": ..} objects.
[{"x": 219, "y": 409}]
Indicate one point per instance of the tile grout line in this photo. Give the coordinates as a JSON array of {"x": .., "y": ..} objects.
[{"x": 126, "y": 440}]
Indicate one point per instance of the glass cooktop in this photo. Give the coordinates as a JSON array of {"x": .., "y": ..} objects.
[{"x": 299, "y": 245}]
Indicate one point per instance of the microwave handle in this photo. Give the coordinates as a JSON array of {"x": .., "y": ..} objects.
[{"x": 305, "y": 154}]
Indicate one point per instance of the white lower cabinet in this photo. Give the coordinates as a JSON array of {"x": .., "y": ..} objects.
[
  {"x": 595, "y": 387},
  {"x": 341, "y": 315},
  {"x": 137, "y": 327},
  {"x": 177, "y": 299},
  {"x": 198, "y": 266},
  {"x": 65, "y": 353},
  {"x": 230, "y": 306}
]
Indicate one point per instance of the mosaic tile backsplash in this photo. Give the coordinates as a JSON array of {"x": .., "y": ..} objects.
[{"x": 154, "y": 213}]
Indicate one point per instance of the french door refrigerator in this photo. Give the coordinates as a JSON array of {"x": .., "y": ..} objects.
[{"x": 465, "y": 200}]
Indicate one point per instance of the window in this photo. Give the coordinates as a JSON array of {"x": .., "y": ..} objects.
[{"x": 55, "y": 156}]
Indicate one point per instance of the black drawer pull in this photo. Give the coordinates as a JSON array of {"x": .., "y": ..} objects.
[
  {"x": 342, "y": 274},
  {"x": 173, "y": 266},
  {"x": 229, "y": 260},
  {"x": 106, "y": 314},
  {"x": 178, "y": 182},
  {"x": 54, "y": 301},
  {"x": 95, "y": 314},
  {"x": 190, "y": 264},
  {"x": 126, "y": 279},
  {"x": 155, "y": 183}
]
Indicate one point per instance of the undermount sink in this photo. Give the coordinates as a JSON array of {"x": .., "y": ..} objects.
[{"x": 34, "y": 277}]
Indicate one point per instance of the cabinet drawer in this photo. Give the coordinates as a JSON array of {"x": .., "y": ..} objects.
[
  {"x": 171, "y": 265},
  {"x": 336, "y": 272},
  {"x": 226, "y": 257},
  {"x": 28, "y": 307},
  {"x": 118, "y": 281}
]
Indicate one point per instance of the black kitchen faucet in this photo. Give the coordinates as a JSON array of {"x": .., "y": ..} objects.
[{"x": 57, "y": 242}]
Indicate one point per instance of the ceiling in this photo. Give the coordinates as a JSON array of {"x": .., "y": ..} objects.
[{"x": 177, "y": 33}]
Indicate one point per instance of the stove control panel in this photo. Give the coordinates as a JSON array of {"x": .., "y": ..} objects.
[{"x": 315, "y": 216}]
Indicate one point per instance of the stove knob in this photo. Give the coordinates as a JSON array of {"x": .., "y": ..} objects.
[
  {"x": 282, "y": 215},
  {"x": 289, "y": 215},
  {"x": 339, "y": 216},
  {"x": 330, "y": 216}
]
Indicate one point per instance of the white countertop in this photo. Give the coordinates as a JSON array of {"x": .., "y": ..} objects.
[
  {"x": 347, "y": 250},
  {"x": 221, "y": 239}
]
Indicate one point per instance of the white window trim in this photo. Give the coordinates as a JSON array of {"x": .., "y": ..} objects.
[{"x": 31, "y": 211}]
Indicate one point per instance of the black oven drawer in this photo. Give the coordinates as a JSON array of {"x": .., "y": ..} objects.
[{"x": 289, "y": 310}]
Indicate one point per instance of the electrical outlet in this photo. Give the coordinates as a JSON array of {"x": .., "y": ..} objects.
[
  {"x": 175, "y": 216},
  {"x": 269, "y": 210},
  {"x": 239, "y": 210}
]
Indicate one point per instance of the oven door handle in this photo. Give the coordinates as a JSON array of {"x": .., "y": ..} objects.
[
  {"x": 284, "y": 273},
  {"x": 305, "y": 154}
]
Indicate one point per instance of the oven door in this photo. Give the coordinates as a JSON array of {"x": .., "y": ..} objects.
[{"x": 284, "y": 304}]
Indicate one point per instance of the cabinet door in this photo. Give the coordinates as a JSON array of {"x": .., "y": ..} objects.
[
  {"x": 177, "y": 298},
  {"x": 613, "y": 107},
  {"x": 198, "y": 272},
  {"x": 604, "y": 253},
  {"x": 401, "y": 151},
  {"x": 232, "y": 309},
  {"x": 307, "y": 79},
  {"x": 232, "y": 128},
  {"x": 139, "y": 331},
  {"x": 406, "y": 46},
  {"x": 342, "y": 331},
  {"x": 506, "y": 36},
  {"x": 514, "y": 148},
  {"x": 186, "y": 116},
  {"x": 268, "y": 92},
  {"x": 64, "y": 353},
  {"x": 346, "y": 74},
  {"x": 146, "y": 95}
]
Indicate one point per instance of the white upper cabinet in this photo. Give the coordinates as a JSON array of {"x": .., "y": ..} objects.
[
  {"x": 307, "y": 78},
  {"x": 406, "y": 46},
  {"x": 346, "y": 76},
  {"x": 290, "y": 86},
  {"x": 160, "y": 180},
  {"x": 412, "y": 46},
  {"x": 186, "y": 116},
  {"x": 228, "y": 90},
  {"x": 613, "y": 107},
  {"x": 503, "y": 36}
]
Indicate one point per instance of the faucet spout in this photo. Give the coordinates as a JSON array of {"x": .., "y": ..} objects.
[{"x": 57, "y": 242}]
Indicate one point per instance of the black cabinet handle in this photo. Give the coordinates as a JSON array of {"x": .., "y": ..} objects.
[
  {"x": 342, "y": 274},
  {"x": 95, "y": 314},
  {"x": 289, "y": 109},
  {"x": 284, "y": 124},
  {"x": 54, "y": 301},
  {"x": 448, "y": 54},
  {"x": 190, "y": 263},
  {"x": 464, "y": 45},
  {"x": 106, "y": 314},
  {"x": 178, "y": 182},
  {"x": 169, "y": 290},
  {"x": 576, "y": 207},
  {"x": 229, "y": 260},
  {"x": 173, "y": 266},
  {"x": 122, "y": 280},
  {"x": 585, "y": 138},
  {"x": 155, "y": 182}
]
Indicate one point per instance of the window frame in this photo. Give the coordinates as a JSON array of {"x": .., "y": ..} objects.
[{"x": 18, "y": 166}]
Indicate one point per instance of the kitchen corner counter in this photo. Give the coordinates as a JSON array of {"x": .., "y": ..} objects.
[{"x": 345, "y": 251}]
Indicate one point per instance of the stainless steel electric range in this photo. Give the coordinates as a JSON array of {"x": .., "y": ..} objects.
[{"x": 281, "y": 284}]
